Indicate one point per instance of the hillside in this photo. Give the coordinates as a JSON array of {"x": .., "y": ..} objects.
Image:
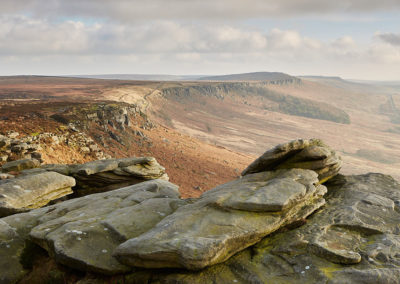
[
  {"x": 254, "y": 76},
  {"x": 118, "y": 130},
  {"x": 245, "y": 117}
]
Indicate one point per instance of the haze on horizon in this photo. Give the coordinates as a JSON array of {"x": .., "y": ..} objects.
[{"x": 358, "y": 39}]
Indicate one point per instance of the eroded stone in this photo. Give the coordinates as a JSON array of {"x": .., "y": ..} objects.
[
  {"x": 82, "y": 233},
  {"x": 32, "y": 191},
  {"x": 310, "y": 154},
  {"x": 210, "y": 231}
]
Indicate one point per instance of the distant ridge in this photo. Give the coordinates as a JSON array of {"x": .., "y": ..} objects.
[
  {"x": 254, "y": 76},
  {"x": 141, "y": 77}
]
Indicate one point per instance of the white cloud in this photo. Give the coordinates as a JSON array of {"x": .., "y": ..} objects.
[{"x": 33, "y": 45}]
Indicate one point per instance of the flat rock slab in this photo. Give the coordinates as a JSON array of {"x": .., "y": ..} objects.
[
  {"x": 32, "y": 191},
  {"x": 226, "y": 220},
  {"x": 95, "y": 167},
  {"x": 19, "y": 165},
  {"x": 310, "y": 154}
]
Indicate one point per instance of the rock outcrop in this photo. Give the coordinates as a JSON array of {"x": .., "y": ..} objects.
[
  {"x": 35, "y": 186},
  {"x": 105, "y": 175},
  {"x": 82, "y": 233},
  {"x": 310, "y": 154},
  {"x": 355, "y": 238},
  {"x": 275, "y": 224},
  {"x": 226, "y": 220},
  {"x": 32, "y": 191}
]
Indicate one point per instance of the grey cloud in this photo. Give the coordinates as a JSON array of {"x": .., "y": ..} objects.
[
  {"x": 391, "y": 38},
  {"x": 136, "y": 10},
  {"x": 23, "y": 35}
]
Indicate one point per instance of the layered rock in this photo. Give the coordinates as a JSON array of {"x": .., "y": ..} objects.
[
  {"x": 256, "y": 229},
  {"x": 226, "y": 220},
  {"x": 32, "y": 191},
  {"x": 355, "y": 238},
  {"x": 310, "y": 154},
  {"x": 105, "y": 175},
  {"x": 82, "y": 233},
  {"x": 20, "y": 165}
]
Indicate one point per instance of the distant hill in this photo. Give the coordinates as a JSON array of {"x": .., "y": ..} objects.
[
  {"x": 356, "y": 85},
  {"x": 141, "y": 77},
  {"x": 254, "y": 76}
]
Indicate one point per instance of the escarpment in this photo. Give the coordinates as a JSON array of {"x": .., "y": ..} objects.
[{"x": 290, "y": 218}]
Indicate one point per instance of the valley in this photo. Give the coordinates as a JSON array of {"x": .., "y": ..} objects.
[{"x": 215, "y": 125}]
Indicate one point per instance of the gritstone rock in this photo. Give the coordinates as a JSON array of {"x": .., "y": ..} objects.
[
  {"x": 226, "y": 220},
  {"x": 32, "y": 191},
  {"x": 310, "y": 154}
]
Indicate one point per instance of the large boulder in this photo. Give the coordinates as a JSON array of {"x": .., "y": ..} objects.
[
  {"x": 32, "y": 191},
  {"x": 226, "y": 220},
  {"x": 310, "y": 154},
  {"x": 82, "y": 233},
  {"x": 355, "y": 238}
]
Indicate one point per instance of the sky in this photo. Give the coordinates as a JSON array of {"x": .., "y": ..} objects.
[{"x": 357, "y": 39}]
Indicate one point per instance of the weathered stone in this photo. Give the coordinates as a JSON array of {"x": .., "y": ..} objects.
[
  {"x": 310, "y": 154},
  {"x": 61, "y": 169},
  {"x": 32, "y": 191},
  {"x": 358, "y": 229},
  {"x": 226, "y": 220},
  {"x": 82, "y": 233},
  {"x": 32, "y": 171},
  {"x": 85, "y": 150},
  {"x": 4, "y": 142},
  {"x": 36, "y": 155},
  {"x": 95, "y": 167},
  {"x": 14, "y": 241},
  {"x": 6, "y": 176},
  {"x": 105, "y": 175},
  {"x": 146, "y": 168},
  {"x": 20, "y": 165},
  {"x": 19, "y": 147},
  {"x": 13, "y": 135}
]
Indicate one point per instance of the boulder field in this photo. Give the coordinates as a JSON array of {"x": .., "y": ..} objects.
[{"x": 289, "y": 218}]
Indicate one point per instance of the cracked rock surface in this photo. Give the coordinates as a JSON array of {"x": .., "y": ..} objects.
[
  {"x": 354, "y": 238},
  {"x": 226, "y": 220},
  {"x": 82, "y": 233}
]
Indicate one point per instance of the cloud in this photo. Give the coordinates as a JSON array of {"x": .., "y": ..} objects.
[
  {"x": 23, "y": 35},
  {"x": 32, "y": 45},
  {"x": 138, "y": 10},
  {"x": 391, "y": 38}
]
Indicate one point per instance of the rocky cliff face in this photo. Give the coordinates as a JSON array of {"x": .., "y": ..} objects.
[
  {"x": 277, "y": 223},
  {"x": 259, "y": 95}
]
